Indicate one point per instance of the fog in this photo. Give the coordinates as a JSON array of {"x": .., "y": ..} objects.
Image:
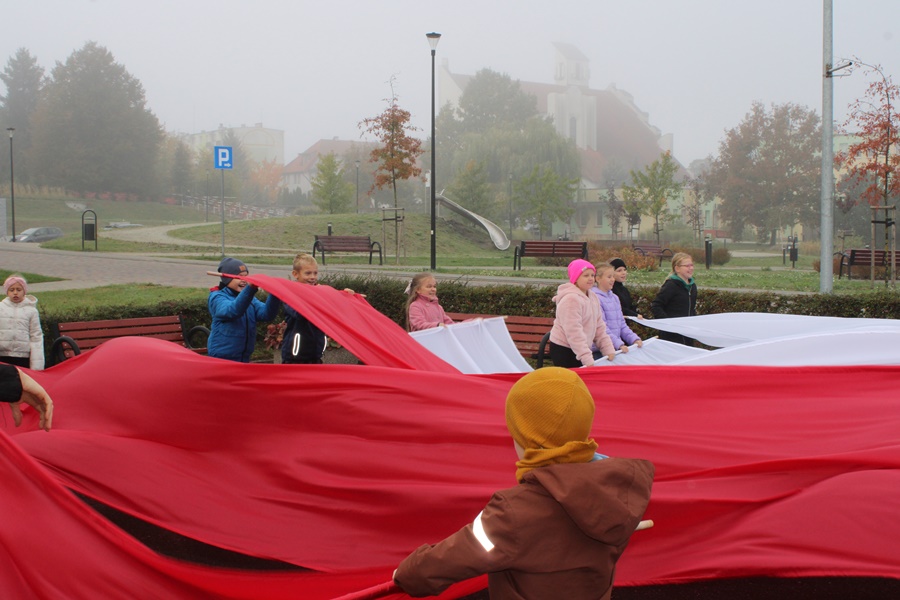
[{"x": 315, "y": 69}]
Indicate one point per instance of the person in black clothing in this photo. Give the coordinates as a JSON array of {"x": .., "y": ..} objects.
[
  {"x": 16, "y": 386},
  {"x": 304, "y": 343},
  {"x": 677, "y": 297},
  {"x": 619, "y": 289}
]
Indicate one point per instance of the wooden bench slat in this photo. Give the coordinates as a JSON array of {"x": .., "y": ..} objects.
[
  {"x": 87, "y": 335},
  {"x": 107, "y": 331},
  {"x": 74, "y": 325}
]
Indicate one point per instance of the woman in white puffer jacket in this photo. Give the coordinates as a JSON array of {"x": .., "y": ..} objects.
[{"x": 21, "y": 338}]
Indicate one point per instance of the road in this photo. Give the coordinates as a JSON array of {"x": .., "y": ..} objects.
[{"x": 87, "y": 269}]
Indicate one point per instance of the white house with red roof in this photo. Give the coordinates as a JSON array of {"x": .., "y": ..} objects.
[{"x": 298, "y": 173}]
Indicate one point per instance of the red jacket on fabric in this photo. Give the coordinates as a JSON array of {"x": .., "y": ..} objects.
[{"x": 558, "y": 534}]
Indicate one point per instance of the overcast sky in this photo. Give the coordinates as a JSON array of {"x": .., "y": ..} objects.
[{"x": 314, "y": 69}]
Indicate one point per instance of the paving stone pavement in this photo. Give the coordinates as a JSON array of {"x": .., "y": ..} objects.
[{"x": 82, "y": 270}]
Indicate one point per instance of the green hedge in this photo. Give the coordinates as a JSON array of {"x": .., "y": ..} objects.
[{"x": 386, "y": 296}]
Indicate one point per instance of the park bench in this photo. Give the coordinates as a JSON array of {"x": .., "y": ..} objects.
[
  {"x": 654, "y": 250},
  {"x": 863, "y": 257},
  {"x": 530, "y": 334},
  {"x": 75, "y": 337},
  {"x": 548, "y": 249},
  {"x": 347, "y": 243}
]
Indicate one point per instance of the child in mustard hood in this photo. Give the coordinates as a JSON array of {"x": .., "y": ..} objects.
[{"x": 561, "y": 530}]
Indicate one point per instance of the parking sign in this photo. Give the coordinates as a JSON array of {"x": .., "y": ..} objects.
[{"x": 223, "y": 156}]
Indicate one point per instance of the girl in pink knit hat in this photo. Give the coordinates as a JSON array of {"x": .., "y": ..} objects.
[
  {"x": 579, "y": 320},
  {"x": 21, "y": 338}
]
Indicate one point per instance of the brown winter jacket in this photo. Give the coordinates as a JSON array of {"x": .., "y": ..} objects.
[{"x": 558, "y": 534}]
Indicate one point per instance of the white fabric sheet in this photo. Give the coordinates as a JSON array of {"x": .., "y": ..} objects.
[
  {"x": 729, "y": 329},
  {"x": 654, "y": 352},
  {"x": 484, "y": 346},
  {"x": 478, "y": 346}
]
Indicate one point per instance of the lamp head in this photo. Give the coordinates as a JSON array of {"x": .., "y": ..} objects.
[{"x": 433, "y": 39}]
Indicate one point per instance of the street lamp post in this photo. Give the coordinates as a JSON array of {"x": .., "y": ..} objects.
[
  {"x": 510, "y": 206},
  {"x": 12, "y": 182},
  {"x": 433, "y": 39},
  {"x": 357, "y": 187},
  {"x": 206, "y": 202}
]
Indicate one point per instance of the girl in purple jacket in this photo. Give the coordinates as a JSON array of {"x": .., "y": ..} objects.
[{"x": 616, "y": 326}]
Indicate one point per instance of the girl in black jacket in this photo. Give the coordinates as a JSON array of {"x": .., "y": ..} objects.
[
  {"x": 619, "y": 289},
  {"x": 677, "y": 297}
]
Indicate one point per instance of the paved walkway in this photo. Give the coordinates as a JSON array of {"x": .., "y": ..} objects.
[
  {"x": 81, "y": 270},
  {"x": 87, "y": 269}
]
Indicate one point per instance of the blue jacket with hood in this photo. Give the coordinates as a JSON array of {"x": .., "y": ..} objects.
[{"x": 232, "y": 335}]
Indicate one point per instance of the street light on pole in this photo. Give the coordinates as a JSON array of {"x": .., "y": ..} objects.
[
  {"x": 510, "y": 206},
  {"x": 433, "y": 39},
  {"x": 12, "y": 182},
  {"x": 206, "y": 202},
  {"x": 357, "y": 186}
]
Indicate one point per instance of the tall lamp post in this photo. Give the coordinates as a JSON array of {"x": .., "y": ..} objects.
[
  {"x": 206, "y": 201},
  {"x": 357, "y": 187},
  {"x": 12, "y": 183},
  {"x": 433, "y": 39},
  {"x": 510, "y": 206}
]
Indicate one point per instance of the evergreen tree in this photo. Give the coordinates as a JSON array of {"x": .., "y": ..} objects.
[
  {"x": 497, "y": 126},
  {"x": 544, "y": 197},
  {"x": 92, "y": 129},
  {"x": 331, "y": 193},
  {"x": 23, "y": 79},
  {"x": 471, "y": 190}
]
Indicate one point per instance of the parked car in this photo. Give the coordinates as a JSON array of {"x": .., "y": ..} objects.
[{"x": 39, "y": 234}]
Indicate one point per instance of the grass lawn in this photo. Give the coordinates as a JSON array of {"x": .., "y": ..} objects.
[
  {"x": 461, "y": 248},
  {"x": 29, "y": 277}
]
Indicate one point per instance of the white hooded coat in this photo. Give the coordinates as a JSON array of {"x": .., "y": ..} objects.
[{"x": 20, "y": 331}]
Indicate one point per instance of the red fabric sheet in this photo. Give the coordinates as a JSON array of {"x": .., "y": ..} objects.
[{"x": 345, "y": 469}]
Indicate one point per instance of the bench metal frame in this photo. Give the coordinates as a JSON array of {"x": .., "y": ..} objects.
[{"x": 347, "y": 243}]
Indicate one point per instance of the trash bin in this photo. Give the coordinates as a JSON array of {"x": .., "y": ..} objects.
[
  {"x": 709, "y": 252},
  {"x": 90, "y": 232}
]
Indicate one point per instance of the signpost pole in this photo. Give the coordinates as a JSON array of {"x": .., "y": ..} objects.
[{"x": 223, "y": 159}]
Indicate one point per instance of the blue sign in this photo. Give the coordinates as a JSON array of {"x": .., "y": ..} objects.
[{"x": 223, "y": 157}]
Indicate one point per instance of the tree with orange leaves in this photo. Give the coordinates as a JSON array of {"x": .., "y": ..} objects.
[
  {"x": 397, "y": 152},
  {"x": 874, "y": 119},
  {"x": 266, "y": 177}
]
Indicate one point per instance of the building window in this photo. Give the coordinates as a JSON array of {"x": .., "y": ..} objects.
[
  {"x": 599, "y": 217},
  {"x": 583, "y": 218}
]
